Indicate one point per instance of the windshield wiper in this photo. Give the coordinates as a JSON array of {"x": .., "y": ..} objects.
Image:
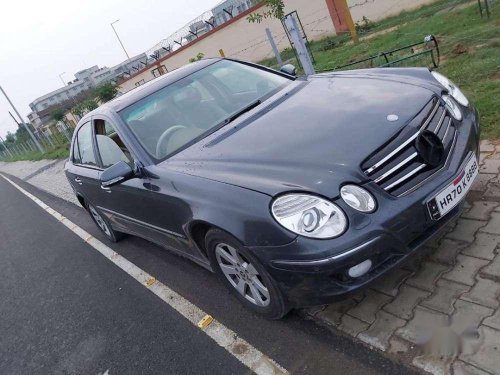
[{"x": 242, "y": 111}]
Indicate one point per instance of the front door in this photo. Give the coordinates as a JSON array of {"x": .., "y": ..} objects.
[{"x": 124, "y": 204}]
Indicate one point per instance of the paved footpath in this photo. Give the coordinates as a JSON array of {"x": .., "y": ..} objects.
[{"x": 440, "y": 311}]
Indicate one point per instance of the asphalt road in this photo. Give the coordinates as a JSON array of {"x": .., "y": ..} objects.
[{"x": 64, "y": 308}]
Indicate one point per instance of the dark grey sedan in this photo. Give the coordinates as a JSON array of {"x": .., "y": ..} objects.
[{"x": 296, "y": 191}]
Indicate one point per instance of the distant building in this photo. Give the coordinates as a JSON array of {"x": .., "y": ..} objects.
[
  {"x": 66, "y": 97},
  {"x": 71, "y": 90}
]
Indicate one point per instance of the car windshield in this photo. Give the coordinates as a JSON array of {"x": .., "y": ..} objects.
[{"x": 183, "y": 112}]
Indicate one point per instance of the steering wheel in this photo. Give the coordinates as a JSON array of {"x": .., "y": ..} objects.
[{"x": 165, "y": 137}]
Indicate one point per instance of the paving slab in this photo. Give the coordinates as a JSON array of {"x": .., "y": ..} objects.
[
  {"x": 391, "y": 282},
  {"x": 398, "y": 346},
  {"x": 368, "y": 307},
  {"x": 427, "y": 276},
  {"x": 465, "y": 230},
  {"x": 313, "y": 310},
  {"x": 484, "y": 246},
  {"x": 333, "y": 313},
  {"x": 482, "y": 157},
  {"x": 493, "y": 225},
  {"x": 447, "y": 292},
  {"x": 465, "y": 270},
  {"x": 493, "y": 321},
  {"x": 402, "y": 306},
  {"x": 492, "y": 190},
  {"x": 352, "y": 326},
  {"x": 492, "y": 270},
  {"x": 480, "y": 210},
  {"x": 487, "y": 356},
  {"x": 419, "y": 329},
  {"x": 433, "y": 364},
  {"x": 462, "y": 368},
  {"x": 486, "y": 292},
  {"x": 381, "y": 330},
  {"x": 468, "y": 316},
  {"x": 481, "y": 181},
  {"x": 415, "y": 261},
  {"x": 447, "y": 252},
  {"x": 487, "y": 148},
  {"x": 490, "y": 165}
]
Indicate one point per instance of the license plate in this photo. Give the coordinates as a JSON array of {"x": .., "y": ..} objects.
[{"x": 448, "y": 198}]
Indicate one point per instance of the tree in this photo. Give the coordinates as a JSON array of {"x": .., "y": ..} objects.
[
  {"x": 10, "y": 138},
  {"x": 22, "y": 134},
  {"x": 276, "y": 9},
  {"x": 106, "y": 92},
  {"x": 78, "y": 110},
  {"x": 84, "y": 107},
  {"x": 89, "y": 104},
  {"x": 58, "y": 115}
]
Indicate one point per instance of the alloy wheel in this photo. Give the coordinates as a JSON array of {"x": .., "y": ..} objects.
[
  {"x": 100, "y": 221},
  {"x": 242, "y": 275}
]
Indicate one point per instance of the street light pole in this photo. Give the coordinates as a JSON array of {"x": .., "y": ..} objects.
[
  {"x": 124, "y": 50},
  {"x": 62, "y": 80},
  {"x": 38, "y": 145}
]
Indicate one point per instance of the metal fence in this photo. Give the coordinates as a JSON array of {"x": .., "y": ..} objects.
[
  {"x": 27, "y": 149},
  {"x": 209, "y": 20}
]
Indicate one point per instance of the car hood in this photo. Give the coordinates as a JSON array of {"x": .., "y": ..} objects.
[{"x": 312, "y": 138}]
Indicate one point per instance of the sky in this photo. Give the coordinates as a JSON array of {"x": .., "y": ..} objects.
[{"x": 39, "y": 40}]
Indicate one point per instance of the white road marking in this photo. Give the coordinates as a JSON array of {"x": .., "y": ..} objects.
[{"x": 225, "y": 337}]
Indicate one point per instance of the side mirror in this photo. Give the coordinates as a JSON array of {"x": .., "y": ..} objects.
[
  {"x": 289, "y": 69},
  {"x": 118, "y": 172}
]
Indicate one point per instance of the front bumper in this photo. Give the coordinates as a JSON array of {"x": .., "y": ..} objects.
[{"x": 313, "y": 272}]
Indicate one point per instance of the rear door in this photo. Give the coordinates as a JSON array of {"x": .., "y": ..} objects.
[{"x": 84, "y": 171}]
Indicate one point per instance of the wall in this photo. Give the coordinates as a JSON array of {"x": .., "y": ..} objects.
[
  {"x": 376, "y": 10},
  {"x": 247, "y": 41}
]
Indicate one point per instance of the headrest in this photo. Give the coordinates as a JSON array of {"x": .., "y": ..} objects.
[{"x": 188, "y": 97}]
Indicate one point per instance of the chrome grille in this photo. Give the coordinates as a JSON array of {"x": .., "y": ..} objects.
[{"x": 397, "y": 167}]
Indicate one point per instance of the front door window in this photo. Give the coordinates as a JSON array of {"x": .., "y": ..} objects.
[{"x": 110, "y": 147}]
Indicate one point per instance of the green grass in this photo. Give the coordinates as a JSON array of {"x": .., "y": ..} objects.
[
  {"x": 61, "y": 152},
  {"x": 476, "y": 70}
]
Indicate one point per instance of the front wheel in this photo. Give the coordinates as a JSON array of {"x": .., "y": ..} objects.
[
  {"x": 103, "y": 224},
  {"x": 244, "y": 275}
]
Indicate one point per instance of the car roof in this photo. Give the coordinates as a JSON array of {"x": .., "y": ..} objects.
[{"x": 154, "y": 85}]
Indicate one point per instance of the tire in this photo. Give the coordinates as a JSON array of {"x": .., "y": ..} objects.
[
  {"x": 244, "y": 275},
  {"x": 103, "y": 224}
]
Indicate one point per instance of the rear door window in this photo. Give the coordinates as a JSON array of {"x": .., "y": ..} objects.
[
  {"x": 76, "y": 153},
  {"x": 84, "y": 139}
]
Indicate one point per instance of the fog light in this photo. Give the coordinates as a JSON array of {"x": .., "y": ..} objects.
[{"x": 360, "y": 269}]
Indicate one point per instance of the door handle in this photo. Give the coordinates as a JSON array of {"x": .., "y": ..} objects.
[
  {"x": 78, "y": 180},
  {"x": 106, "y": 189}
]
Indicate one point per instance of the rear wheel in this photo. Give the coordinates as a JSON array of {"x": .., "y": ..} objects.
[
  {"x": 103, "y": 224},
  {"x": 245, "y": 276}
]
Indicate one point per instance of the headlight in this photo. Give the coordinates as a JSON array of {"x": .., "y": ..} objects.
[
  {"x": 358, "y": 198},
  {"x": 309, "y": 215},
  {"x": 452, "y": 107},
  {"x": 452, "y": 88}
]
